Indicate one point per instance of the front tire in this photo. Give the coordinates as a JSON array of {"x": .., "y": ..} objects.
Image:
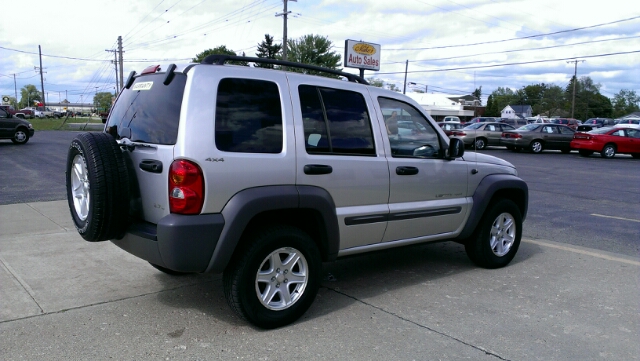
[
  {"x": 20, "y": 136},
  {"x": 274, "y": 277},
  {"x": 97, "y": 187},
  {"x": 480, "y": 144},
  {"x": 609, "y": 151},
  {"x": 497, "y": 238}
]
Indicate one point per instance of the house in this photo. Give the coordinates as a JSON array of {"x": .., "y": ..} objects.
[
  {"x": 439, "y": 106},
  {"x": 517, "y": 111}
]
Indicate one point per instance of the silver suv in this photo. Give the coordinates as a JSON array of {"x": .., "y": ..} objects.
[{"x": 264, "y": 174}]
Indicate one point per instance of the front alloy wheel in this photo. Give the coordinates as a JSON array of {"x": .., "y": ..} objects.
[
  {"x": 503, "y": 234},
  {"x": 536, "y": 146}
]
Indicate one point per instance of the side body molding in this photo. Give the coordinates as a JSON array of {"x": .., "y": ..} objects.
[
  {"x": 244, "y": 206},
  {"x": 503, "y": 185}
]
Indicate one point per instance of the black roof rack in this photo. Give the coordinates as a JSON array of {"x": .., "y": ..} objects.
[{"x": 218, "y": 59}]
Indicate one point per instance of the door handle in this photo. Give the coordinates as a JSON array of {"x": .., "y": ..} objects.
[
  {"x": 151, "y": 165},
  {"x": 406, "y": 170},
  {"x": 317, "y": 169}
]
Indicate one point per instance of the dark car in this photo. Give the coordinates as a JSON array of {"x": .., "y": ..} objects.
[
  {"x": 594, "y": 123},
  {"x": 622, "y": 138},
  {"x": 569, "y": 122},
  {"x": 537, "y": 137},
  {"x": 16, "y": 129}
]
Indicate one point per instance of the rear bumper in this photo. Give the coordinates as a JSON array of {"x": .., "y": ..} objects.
[{"x": 179, "y": 243}]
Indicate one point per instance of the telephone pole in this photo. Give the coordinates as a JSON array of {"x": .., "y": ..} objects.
[
  {"x": 120, "y": 56},
  {"x": 575, "y": 80},
  {"x": 44, "y": 104},
  {"x": 284, "y": 14}
]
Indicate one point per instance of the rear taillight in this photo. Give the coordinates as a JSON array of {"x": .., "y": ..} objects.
[
  {"x": 511, "y": 135},
  {"x": 458, "y": 133},
  {"x": 186, "y": 187}
]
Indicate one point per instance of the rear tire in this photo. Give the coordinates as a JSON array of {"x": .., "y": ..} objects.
[
  {"x": 274, "y": 277},
  {"x": 536, "y": 146},
  {"x": 497, "y": 237},
  {"x": 565, "y": 151},
  {"x": 480, "y": 144},
  {"x": 585, "y": 153},
  {"x": 97, "y": 187},
  {"x": 636, "y": 155}
]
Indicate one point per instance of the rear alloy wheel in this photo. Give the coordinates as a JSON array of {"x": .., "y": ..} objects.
[
  {"x": 480, "y": 143},
  {"x": 97, "y": 187},
  {"x": 609, "y": 151},
  {"x": 536, "y": 146},
  {"x": 497, "y": 238},
  {"x": 585, "y": 153},
  {"x": 273, "y": 279},
  {"x": 21, "y": 136}
]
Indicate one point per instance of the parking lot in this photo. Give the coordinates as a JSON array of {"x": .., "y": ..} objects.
[{"x": 571, "y": 292}]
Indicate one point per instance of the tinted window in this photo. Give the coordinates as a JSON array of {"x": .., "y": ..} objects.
[
  {"x": 248, "y": 116},
  {"x": 149, "y": 111},
  {"x": 335, "y": 121}
]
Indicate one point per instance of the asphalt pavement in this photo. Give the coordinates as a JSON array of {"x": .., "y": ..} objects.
[{"x": 62, "y": 298}]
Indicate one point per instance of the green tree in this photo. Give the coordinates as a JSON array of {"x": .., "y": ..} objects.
[
  {"x": 534, "y": 94},
  {"x": 314, "y": 50},
  {"x": 503, "y": 97},
  {"x": 223, "y": 50},
  {"x": 268, "y": 50},
  {"x": 393, "y": 87},
  {"x": 102, "y": 101},
  {"x": 588, "y": 100},
  {"x": 625, "y": 102},
  {"x": 478, "y": 94},
  {"x": 28, "y": 94},
  {"x": 379, "y": 83},
  {"x": 492, "y": 108},
  {"x": 552, "y": 102}
]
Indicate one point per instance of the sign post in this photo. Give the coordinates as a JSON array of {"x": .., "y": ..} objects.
[{"x": 361, "y": 55}]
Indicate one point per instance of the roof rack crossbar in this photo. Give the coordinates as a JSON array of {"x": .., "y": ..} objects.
[{"x": 218, "y": 59}]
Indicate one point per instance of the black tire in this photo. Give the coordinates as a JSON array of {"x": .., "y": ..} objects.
[
  {"x": 97, "y": 187},
  {"x": 484, "y": 248},
  {"x": 536, "y": 146},
  {"x": 20, "y": 136},
  {"x": 585, "y": 153},
  {"x": 517, "y": 149},
  {"x": 608, "y": 151},
  {"x": 480, "y": 143},
  {"x": 565, "y": 150},
  {"x": 636, "y": 155},
  {"x": 169, "y": 271},
  {"x": 511, "y": 147},
  {"x": 240, "y": 279}
]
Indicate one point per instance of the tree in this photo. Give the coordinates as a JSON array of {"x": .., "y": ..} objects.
[
  {"x": 28, "y": 94},
  {"x": 553, "y": 100},
  {"x": 478, "y": 94},
  {"x": 625, "y": 102},
  {"x": 492, "y": 108},
  {"x": 393, "y": 87},
  {"x": 314, "y": 50},
  {"x": 589, "y": 102},
  {"x": 503, "y": 97},
  {"x": 268, "y": 50},
  {"x": 379, "y": 83},
  {"x": 222, "y": 50},
  {"x": 102, "y": 101}
]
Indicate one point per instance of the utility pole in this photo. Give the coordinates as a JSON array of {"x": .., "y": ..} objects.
[
  {"x": 15, "y": 87},
  {"x": 120, "y": 53},
  {"x": 575, "y": 80},
  {"x": 44, "y": 104},
  {"x": 284, "y": 14},
  {"x": 406, "y": 67},
  {"x": 115, "y": 63}
]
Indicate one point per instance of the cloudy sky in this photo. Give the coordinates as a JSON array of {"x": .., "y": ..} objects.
[{"x": 452, "y": 46}]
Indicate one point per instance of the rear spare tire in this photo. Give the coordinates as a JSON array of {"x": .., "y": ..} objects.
[{"x": 97, "y": 187}]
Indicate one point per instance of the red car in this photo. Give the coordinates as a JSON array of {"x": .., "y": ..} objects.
[{"x": 623, "y": 138}]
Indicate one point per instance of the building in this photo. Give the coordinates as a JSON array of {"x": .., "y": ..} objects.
[
  {"x": 517, "y": 111},
  {"x": 442, "y": 105}
]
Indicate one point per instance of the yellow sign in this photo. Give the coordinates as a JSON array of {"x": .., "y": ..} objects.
[{"x": 364, "y": 49}]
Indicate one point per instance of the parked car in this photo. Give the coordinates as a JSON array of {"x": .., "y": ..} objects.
[
  {"x": 281, "y": 172},
  {"x": 481, "y": 135},
  {"x": 17, "y": 113},
  {"x": 451, "y": 119},
  {"x": 621, "y": 138},
  {"x": 537, "y": 137},
  {"x": 569, "y": 122},
  {"x": 14, "y": 128},
  {"x": 631, "y": 120},
  {"x": 594, "y": 123},
  {"x": 451, "y": 128},
  {"x": 514, "y": 122},
  {"x": 483, "y": 119}
]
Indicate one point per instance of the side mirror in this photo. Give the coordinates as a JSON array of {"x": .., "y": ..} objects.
[{"x": 456, "y": 148}]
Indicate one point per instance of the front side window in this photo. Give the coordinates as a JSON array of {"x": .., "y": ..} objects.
[
  {"x": 410, "y": 133},
  {"x": 335, "y": 121},
  {"x": 248, "y": 116},
  {"x": 566, "y": 130}
]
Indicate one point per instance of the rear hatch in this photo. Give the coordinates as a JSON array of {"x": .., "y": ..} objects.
[{"x": 146, "y": 117}]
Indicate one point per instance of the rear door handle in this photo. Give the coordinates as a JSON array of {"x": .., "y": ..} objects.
[
  {"x": 406, "y": 170},
  {"x": 151, "y": 165},
  {"x": 317, "y": 169}
]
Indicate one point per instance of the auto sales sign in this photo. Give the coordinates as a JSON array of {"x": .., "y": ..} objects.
[{"x": 358, "y": 54}]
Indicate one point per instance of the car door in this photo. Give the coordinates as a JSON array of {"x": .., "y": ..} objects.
[
  {"x": 566, "y": 136},
  {"x": 492, "y": 132},
  {"x": 551, "y": 136},
  {"x": 502, "y": 128},
  {"x": 5, "y": 124},
  {"x": 339, "y": 149},
  {"x": 428, "y": 193},
  {"x": 633, "y": 140}
]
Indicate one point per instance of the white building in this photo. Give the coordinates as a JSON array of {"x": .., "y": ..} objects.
[
  {"x": 440, "y": 105},
  {"x": 517, "y": 111}
]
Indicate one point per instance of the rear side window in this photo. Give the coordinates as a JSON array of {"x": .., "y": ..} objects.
[
  {"x": 335, "y": 121},
  {"x": 148, "y": 111},
  {"x": 248, "y": 116}
]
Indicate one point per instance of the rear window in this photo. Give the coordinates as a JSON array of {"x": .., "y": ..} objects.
[{"x": 148, "y": 111}]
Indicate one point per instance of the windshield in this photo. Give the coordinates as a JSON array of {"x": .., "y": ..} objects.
[
  {"x": 474, "y": 126},
  {"x": 600, "y": 131},
  {"x": 148, "y": 111}
]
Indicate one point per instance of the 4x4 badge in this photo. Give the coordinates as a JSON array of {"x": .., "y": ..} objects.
[{"x": 215, "y": 159}]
